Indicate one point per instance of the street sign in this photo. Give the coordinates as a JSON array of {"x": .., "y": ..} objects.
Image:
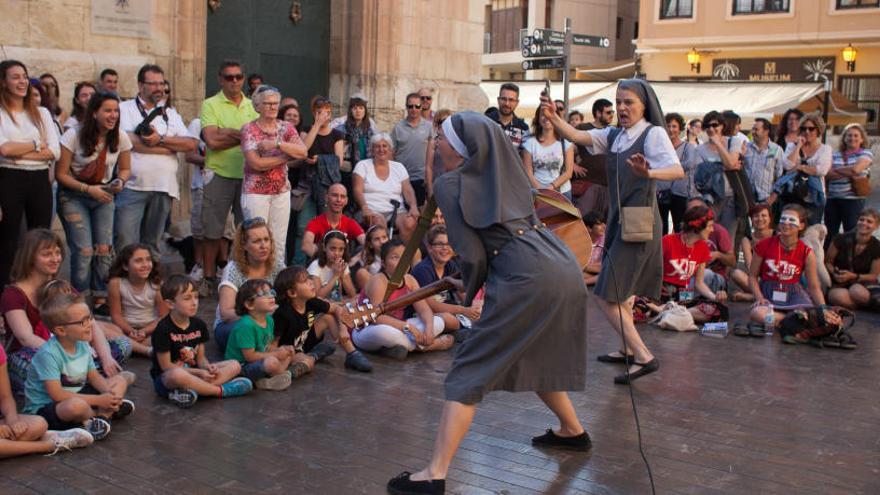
[
  {"x": 527, "y": 41},
  {"x": 544, "y": 63},
  {"x": 587, "y": 40},
  {"x": 548, "y": 36},
  {"x": 543, "y": 51}
]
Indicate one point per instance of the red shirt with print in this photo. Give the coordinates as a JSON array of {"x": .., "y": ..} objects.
[
  {"x": 779, "y": 264},
  {"x": 680, "y": 262}
]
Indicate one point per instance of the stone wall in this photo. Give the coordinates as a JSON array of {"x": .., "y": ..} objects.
[{"x": 388, "y": 48}]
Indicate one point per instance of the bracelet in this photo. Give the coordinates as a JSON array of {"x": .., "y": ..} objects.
[{"x": 84, "y": 188}]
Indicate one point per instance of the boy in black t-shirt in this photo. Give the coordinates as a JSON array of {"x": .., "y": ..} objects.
[
  {"x": 302, "y": 320},
  {"x": 180, "y": 371}
]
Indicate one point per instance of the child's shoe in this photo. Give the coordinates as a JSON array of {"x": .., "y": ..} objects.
[
  {"x": 322, "y": 350},
  {"x": 98, "y": 427},
  {"x": 125, "y": 408},
  {"x": 129, "y": 376},
  {"x": 236, "y": 387},
  {"x": 69, "y": 439},
  {"x": 183, "y": 398},
  {"x": 278, "y": 382},
  {"x": 357, "y": 361},
  {"x": 298, "y": 369}
]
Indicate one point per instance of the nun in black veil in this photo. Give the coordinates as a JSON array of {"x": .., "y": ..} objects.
[
  {"x": 531, "y": 335},
  {"x": 638, "y": 153}
]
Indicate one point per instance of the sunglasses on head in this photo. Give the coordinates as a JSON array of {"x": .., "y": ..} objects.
[
  {"x": 252, "y": 222},
  {"x": 429, "y": 98},
  {"x": 413, "y": 106},
  {"x": 233, "y": 77}
]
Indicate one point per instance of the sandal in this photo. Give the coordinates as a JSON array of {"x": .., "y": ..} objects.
[
  {"x": 757, "y": 330},
  {"x": 846, "y": 341}
]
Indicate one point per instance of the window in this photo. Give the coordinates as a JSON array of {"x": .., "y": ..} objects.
[
  {"x": 619, "y": 26},
  {"x": 857, "y": 4},
  {"x": 676, "y": 9},
  {"x": 636, "y": 30},
  {"x": 864, "y": 91},
  {"x": 741, "y": 7}
]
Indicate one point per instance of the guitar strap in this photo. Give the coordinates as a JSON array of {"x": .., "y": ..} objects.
[{"x": 424, "y": 222}]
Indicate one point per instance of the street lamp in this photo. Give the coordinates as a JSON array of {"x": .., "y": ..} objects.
[
  {"x": 694, "y": 60},
  {"x": 849, "y": 55}
]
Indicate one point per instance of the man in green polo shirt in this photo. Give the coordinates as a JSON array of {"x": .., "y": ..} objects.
[{"x": 222, "y": 117}]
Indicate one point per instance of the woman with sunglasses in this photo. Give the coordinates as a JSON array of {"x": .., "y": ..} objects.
[
  {"x": 778, "y": 262},
  {"x": 254, "y": 256},
  {"x": 809, "y": 156},
  {"x": 268, "y": 144},
  {"x": 725, "y": 146}
]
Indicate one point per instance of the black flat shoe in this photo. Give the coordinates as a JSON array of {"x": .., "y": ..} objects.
[
  {"x": 402, "y": 485},
  {"x": 608, "y": 358},
  {"x": 646, "y": 368},
  {"x": 580, "y": 442}
]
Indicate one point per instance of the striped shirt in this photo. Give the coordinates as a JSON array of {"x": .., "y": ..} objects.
[
  {"x": 763, "y": 167},
  {"x": 842, "y": 188}
]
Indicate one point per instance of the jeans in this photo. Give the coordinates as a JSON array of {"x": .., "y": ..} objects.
[
  {"x": 140, "y": 217},
  {"x": 23, "y": 194},
  {"x": 222, "y": 332},
  {"x": 840, "y": 211},
  {"x": 275, "y": 208},
  {"x": 88, "y": 224},
  {"x": 308, "y": 212}
]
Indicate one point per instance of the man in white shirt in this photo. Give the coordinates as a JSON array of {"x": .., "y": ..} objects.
[{"x": 142, "y": 208}]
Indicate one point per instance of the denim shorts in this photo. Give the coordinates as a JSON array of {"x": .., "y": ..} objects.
[{"x": 254, "y": 371}]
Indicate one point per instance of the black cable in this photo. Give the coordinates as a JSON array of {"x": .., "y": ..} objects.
[{"x": 632, "y": 398}]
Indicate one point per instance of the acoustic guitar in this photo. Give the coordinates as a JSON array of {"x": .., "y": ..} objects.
[{"x": 366, "y": 313}]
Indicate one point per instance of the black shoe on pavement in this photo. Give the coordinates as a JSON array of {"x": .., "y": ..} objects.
[{"x": 402, "y": 485}]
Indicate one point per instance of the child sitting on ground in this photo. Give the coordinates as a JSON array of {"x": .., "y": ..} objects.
[
  {"x": 596, "y": 226},
  {"x": 332, "y": 267},
  {"x": 136, "y": 305},
  {"x": 22, "y": 434},
  {"x": 250, "y": 342},
  {"x": 63, "y": 385},
  {"x": 180, "y": 371},
  {"x": 302, "y": 320}
]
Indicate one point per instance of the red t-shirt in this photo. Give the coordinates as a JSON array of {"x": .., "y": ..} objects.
[
  {"x": 719, "y": 240},
  {"x": 780, "y": 265},
  {"x": 2, "y": 356},
  {"x": 13, "y": 298},
  {"x": 320, "y": 226},
  {"x": 680, "y": 262}
]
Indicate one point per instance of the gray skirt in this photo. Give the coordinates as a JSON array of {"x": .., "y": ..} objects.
[{"x": 531, "y": 335}]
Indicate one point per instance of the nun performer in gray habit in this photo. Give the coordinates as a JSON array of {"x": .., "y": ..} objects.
[
  {"x": 531, "y": 335},
  {"x": 638, "y": 153}
]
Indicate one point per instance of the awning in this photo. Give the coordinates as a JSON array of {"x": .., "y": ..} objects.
[
  {"x": 530, "y": 93},
  {"x": 841, "y": 110},
  {"x": 609, "y": 72}
]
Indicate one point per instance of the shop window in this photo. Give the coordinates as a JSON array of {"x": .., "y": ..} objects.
[{"x": 864, "y": 91}]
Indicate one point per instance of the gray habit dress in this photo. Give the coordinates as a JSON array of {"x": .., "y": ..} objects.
[
  {"x": 531, "y": 335},
  {"x": 637, "y": 266}
]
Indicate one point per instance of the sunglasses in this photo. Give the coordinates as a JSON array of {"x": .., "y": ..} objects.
[
  {"x": 789, "y": 220},
  {"x": 233, "y": 77},
  {"x": 810, "y": 128},
  {"x": 713, "y": 124},
  {"x": 413, "y": 106},
  {"x": 252, "y": 222},
  {"x": 429, "y": 98},
  {"x": 265, "y": 293}
]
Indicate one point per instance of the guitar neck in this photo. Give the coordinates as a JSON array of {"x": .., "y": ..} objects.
[{"x": 415, "y": 296}]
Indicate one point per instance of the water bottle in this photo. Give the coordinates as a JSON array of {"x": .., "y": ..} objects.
[
  {"x": 769, "y": 320},
  {"x": 717, "y": 330}
]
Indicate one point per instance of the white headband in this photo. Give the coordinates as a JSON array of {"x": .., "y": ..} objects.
[{"x": 453, "y": 138}]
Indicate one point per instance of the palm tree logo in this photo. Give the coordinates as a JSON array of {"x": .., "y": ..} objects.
[
  {"x": 818, "y": 70},
  {"x": 726, "y": 71}
]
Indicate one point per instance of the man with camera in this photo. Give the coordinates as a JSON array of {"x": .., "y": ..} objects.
[{"x": 157, "y": 134}]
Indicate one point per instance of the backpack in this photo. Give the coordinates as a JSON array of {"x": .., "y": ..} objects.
[{"x": 812, "y": 326}]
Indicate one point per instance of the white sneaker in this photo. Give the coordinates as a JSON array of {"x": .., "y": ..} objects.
[
  {"x": 69, "y": 439},
  {"x": 129, "y": 376},
  {"x": 197, "y": 272},
  {"x": 277, "y": 382}
]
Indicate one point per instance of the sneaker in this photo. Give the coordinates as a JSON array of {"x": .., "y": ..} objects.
[
  {"x": 183, "y": 398},
  {"x": 236, "y": 387},
  {"x": 322, "y": 350},
  {"x": 357, "y": 361},
  {"x": 125, "y": 408},
  {"x": 197, "y": 272},
  {"x": 208, "y": 287},
  {"x": 277, "y": 382},
  {"x": 69, "y": 439},
  {"x": 298, "y": 369},
  {"x": 397, "y": 352},
  {"x": 129, "y": 377},
  {"x": 98, "y": 427}
]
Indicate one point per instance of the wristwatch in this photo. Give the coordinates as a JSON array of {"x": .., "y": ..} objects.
[{"x": 162, "y": 140}]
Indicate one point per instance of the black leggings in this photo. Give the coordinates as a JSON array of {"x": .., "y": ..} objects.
[{"x": 23, "y": 193}]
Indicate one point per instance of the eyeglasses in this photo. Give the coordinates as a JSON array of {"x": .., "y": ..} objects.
[
  {"x": 441, "y": 245},
  {"x": 265, "y": 293},
  {"x": 789, "y": 220},
  {"x": 808, "y": 128},
  {"x": 429, "y": 98},
  {"x": 233, "y": 77},
  {"x": 413, "y": 106},
  {"x": 81, "y": 323},
  {"x": 253, "y": 222}
]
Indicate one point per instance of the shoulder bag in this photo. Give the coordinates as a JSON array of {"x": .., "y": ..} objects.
[
  {"x": 93, "y": 173},
  {"x": 861, "y": 184}
]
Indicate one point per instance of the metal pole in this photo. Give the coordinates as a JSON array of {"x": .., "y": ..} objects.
[
  {"x": 829, "y": 85},
  {"x": 566, "y": 54}
]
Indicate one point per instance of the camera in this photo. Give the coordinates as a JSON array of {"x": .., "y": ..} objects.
[{"x": 144, "y": 129}]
